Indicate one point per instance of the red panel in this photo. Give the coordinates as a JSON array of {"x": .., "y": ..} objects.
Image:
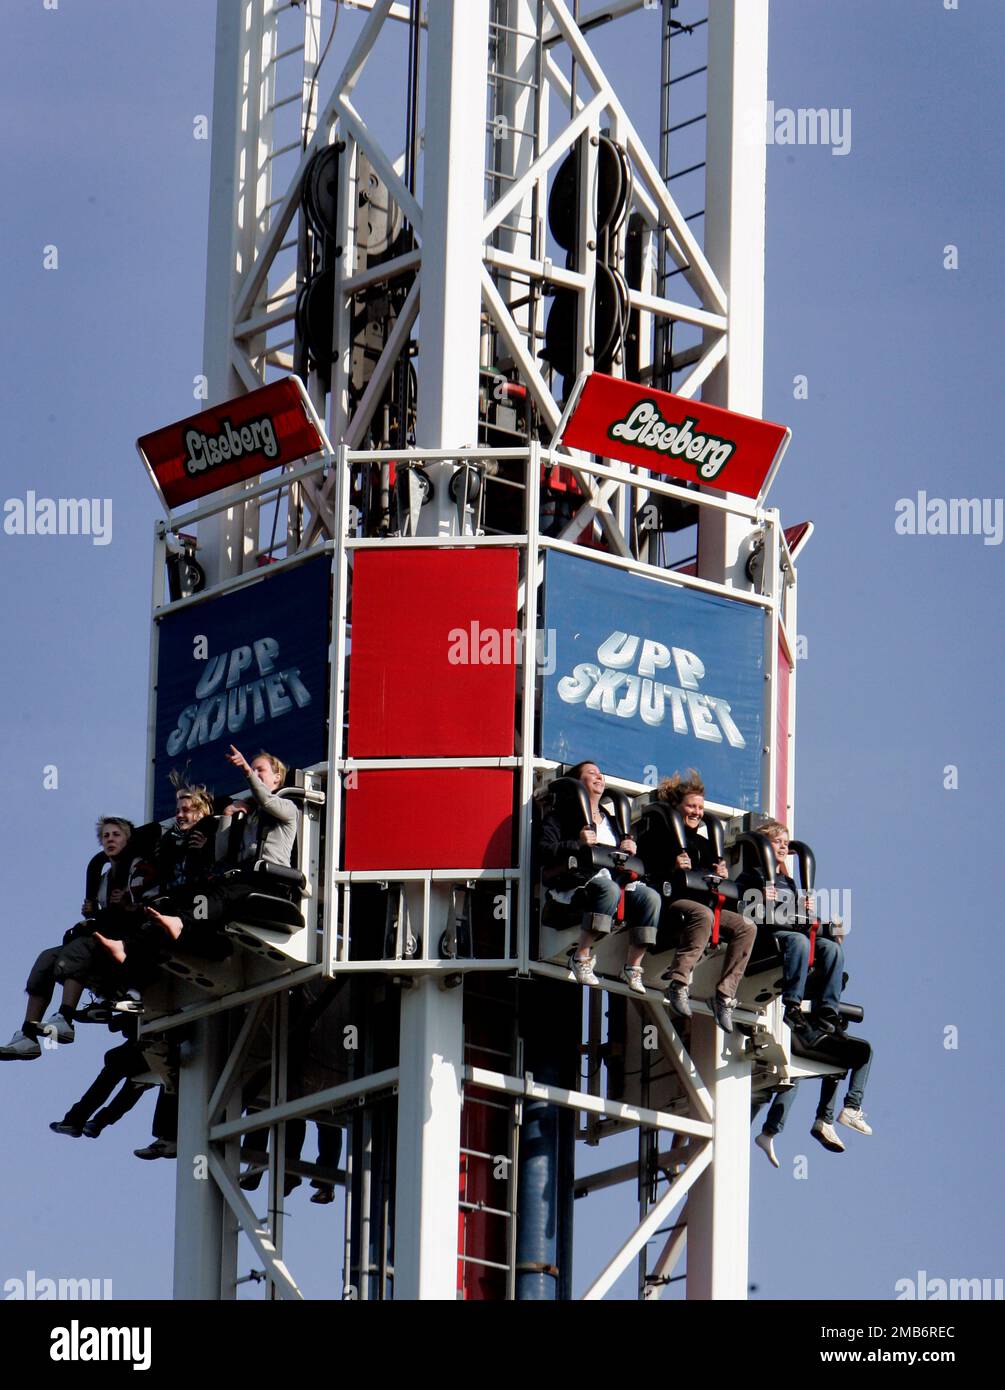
[
  {"x": 795, "y": 535},
  {"x": 239, "y": 439},
  {"x": 782, "y": 737},
  {"x": 661, "y": 432},
  {"x": 430, "y": 818},
  {"x": 434, "y": 648}
]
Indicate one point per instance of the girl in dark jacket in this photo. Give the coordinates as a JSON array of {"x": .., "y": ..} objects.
[
  {"x": 114, "y": 883},
  {"x": 599, "y": 897}
]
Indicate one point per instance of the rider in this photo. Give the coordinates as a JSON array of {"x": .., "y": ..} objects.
[
  {"x": 114, "y": 879},
  {"x": 794, "y": 945},
  {"x": 600, "y": 896},
  {"x": 687, "y": 795}
]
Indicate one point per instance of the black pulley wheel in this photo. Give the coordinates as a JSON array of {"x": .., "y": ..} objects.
[
  {"x": 315, "y": 317},
  {"x": 560, "y": 333},
  {"x": 320, "y": 197},
  {"x": 613, "y": 189}
]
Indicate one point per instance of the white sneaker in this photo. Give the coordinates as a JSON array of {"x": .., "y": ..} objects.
[
  {"x": 826, "y": 1135},
  {"x": 582, "y": 970},
  {"x": 21, "y": 1048},
  {"x": 854, "y": 1119},
  {"x": 632, "y": 976},
  {"x": 56, "y": 1026}
]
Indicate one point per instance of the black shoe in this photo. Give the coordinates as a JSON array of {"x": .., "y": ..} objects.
[
  {"x": 160, "y": 1148},
  {"x": 827, "y": 1018},
  {"x": 808, "y": 1035},
  {"x": 92, "y": 1129},
  {"x": 794, "y": 1016},
  {"x": 723, "y": 1008},
  {"x": 61, "y": 1127},
  {"x": 677, "y": 999},
  {"x": 291, "y": 1184},
  {"x": 324, "y": 1193},
  {"x": 250, "y": 1182}
]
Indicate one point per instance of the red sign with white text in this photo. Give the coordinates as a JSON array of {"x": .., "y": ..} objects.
[
  {"x": 683, "y": 439},
  {"x": 232, "y": 442}
]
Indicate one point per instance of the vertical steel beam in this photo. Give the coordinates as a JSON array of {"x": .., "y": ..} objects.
[
  {"x": 431, "y": 1065},
  {"x": 237, "y": 192},
  {"x": 718, "y": 1207},
  {"x": 200, "y": 1223},
  {"x": 453, "y": 208},
  {"x": 734, "y": 237}
]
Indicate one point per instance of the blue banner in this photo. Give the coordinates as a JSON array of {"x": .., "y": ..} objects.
[
  {"x": 249, "y": 668},
  {"x": 647, "y": 678}
]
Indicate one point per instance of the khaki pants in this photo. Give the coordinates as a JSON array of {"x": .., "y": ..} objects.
[{"x": 694, "y": 937}]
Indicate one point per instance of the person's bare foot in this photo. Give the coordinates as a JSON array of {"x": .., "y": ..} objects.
[
  {"x": 172, "y": 925},
  {"x": 114, "y": 948}
]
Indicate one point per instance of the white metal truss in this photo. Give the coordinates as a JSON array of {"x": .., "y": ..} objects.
[{"x": 260, "y": 305}]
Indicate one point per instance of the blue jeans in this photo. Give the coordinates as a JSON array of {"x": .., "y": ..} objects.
[
  {"x": 829, "y": 961},
  {"x": 859, "y": 1056},
  {"x": 642, "y": 909},
  {"x": 853, "y": 1052},
  {"x": 781, "y": 1103}
]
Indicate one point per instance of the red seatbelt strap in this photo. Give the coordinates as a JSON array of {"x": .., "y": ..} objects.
[
  {"x": 814, "y": 928},
  {"x": 629, "y": 878},
  {"x": 720, "y": 898}
]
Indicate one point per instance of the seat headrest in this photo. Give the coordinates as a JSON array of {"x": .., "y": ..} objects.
[{"x": 145, "y": 839}]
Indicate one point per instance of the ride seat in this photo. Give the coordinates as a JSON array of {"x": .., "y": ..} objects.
[
  {"x": 268, "y": 924},
  {"x": 273, "y": 925}
]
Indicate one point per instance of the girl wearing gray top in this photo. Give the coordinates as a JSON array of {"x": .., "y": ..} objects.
[{"x": 271, "y": 828}]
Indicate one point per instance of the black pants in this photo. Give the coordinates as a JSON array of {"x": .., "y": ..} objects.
[
  {"x": 148, "y": 944},
  {"x": 329, "y": 1142},
  {"x": 121, "y": 1064},
  {"x": 165, "y": 1125},
  {"x": 206, "y": 908},
  {"x": 257, "y": 1141}
]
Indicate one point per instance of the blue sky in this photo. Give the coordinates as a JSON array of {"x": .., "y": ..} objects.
[{"x": 904, "y": 653}]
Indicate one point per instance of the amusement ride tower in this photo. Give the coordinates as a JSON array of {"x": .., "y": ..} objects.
[{"x": 433, "y": 226}]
